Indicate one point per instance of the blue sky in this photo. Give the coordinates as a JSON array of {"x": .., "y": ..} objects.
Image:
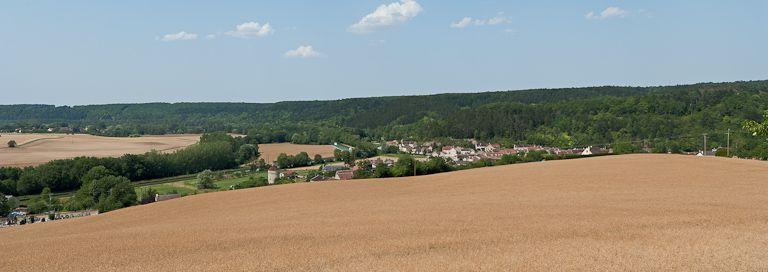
[{"x": 93, "y": 52}]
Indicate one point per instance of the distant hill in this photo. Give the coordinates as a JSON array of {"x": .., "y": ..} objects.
[{"x": 572, "y": 116}]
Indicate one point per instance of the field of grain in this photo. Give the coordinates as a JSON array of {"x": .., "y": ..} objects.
[
  {"x": 36, "y": 149},
  {"x": 616, "y": 213},
  {"x": 270, "y": 151}
]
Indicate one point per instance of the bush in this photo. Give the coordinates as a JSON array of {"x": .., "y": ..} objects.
[
  {"x": 11, "y": 143},
  {"x": 509, "y": 159},
  {"x": 252, "y": 182},
  {"x": 121, "y": 194},
  {"x": 5, "y": 206},
  {"x": 147, "y": 196},
  {"x": 205, "y": 180},
  {"x": 105, "y": 193}
]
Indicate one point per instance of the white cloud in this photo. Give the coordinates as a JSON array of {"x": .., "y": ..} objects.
[
  {"x": 498, "y": 20},
  {"x": 463, "y": 23},
  {"x": 251, "y": 30},
  {"x": 387, "y": 15},
  {"x": 210, "y": 37},
  {"x": 181, "y": 36},
  {"x": 610, "y": 12},
  {"x": 466, "y": 21},
  {"x": 304, "y": 52}
]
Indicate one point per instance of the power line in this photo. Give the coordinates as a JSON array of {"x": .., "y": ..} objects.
[{"x": 727, "y": 133}]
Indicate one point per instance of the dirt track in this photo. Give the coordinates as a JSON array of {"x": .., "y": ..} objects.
[
  {"x": 636, "y": 212},
  {"x": 35, "y": 149}
]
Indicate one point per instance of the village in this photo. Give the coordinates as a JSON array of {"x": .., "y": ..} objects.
[
  {"x": 477, "y": 150},
  {"x": 470, "y": 151}
]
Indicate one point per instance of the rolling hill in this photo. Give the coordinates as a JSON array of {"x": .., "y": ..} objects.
[
  {"x": 632, "y": 212},
  {"x": 664, "y": 118}
]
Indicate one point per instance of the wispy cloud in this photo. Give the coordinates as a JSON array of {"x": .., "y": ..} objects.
[
  {"x": 251, "y": 30},
  {"x": 181, "y": 36},
  {"x": 467, "y": 21},
  {"x": 304, "y": 52},
  {"x": 387, "y": 15},
  {"x": 610, "y": 12}
]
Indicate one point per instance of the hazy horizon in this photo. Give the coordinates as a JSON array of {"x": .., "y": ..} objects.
[{"x": 85, "y": 53}]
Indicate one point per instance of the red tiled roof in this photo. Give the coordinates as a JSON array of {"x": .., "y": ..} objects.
[{"x": 345, "y": 174}]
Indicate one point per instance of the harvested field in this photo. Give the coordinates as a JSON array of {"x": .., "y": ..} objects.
[
  {"x": 615, "y": 213},
  {"x": 37, "y": 149},
  {"x": 270, "y": 151}
]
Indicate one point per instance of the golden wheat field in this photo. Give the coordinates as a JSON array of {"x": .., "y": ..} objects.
[
  {"x": 617, "y": 213},
  {"x": 35, "y": 149},
  {"x": 270, "y": 151}
]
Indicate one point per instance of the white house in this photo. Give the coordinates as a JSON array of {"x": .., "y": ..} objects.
[{"x": 593, "y": 151}]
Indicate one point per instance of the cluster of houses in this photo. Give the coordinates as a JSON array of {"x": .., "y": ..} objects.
[
  {"x": 478, "y": 150},
  {"x": 51, "y": 129},
  {"x": 21, "y": 216},
  {"x": 341, "y": 173},
  {"x": 471, "y": 152}
]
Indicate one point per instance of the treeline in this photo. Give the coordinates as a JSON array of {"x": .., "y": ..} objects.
[
  {"x": 407, "y": 165},
  {"x": 672, "y": 117},
  {"x": 215, "y": 151},
  {"x": 326, "y": 117}
]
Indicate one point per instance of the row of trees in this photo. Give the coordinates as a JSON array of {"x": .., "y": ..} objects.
[
  {"x": 407, "y": 165},
  {"x": 299, "y": 160},
  {"x": 215, "y": 151}
]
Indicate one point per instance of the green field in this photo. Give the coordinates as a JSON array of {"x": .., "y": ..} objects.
[{"x": 188, "y": 185}]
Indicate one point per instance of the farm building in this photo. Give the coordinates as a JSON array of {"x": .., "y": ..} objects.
[
  {"x": 272, "y": 174},
  {"x": 333, "y": 168},
  {"x": 593, "y": 151},
  {"x": 345, "y": 175}
]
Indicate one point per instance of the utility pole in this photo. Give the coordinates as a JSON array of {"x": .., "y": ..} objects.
[
  {"x": 705, "y": 144},
  {"x": 728, "y": 150}
]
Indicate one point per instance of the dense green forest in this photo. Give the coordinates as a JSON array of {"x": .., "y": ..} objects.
[{"x": 671, "y": 118}]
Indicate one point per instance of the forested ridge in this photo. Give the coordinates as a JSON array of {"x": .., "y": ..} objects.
[{"x": 671, "y": 116}]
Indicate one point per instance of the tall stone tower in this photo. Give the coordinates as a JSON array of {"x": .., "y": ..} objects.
[{"x": 272, "y": 174}]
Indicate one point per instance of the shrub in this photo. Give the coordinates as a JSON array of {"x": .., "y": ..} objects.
[
  {"x": 147, "y": 196},
  {"x": 252, "y": 182},
  {"x": 11, "y": 143},
  {"x": 105, "y": 193},
  {"x": 205, "y": 180}
]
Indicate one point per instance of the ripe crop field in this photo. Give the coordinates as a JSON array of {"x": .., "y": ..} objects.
[
  {"x": 270, "y": 151},
  {"x": 35, "y": 149},
  {"x": 615, "y": 213}
]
